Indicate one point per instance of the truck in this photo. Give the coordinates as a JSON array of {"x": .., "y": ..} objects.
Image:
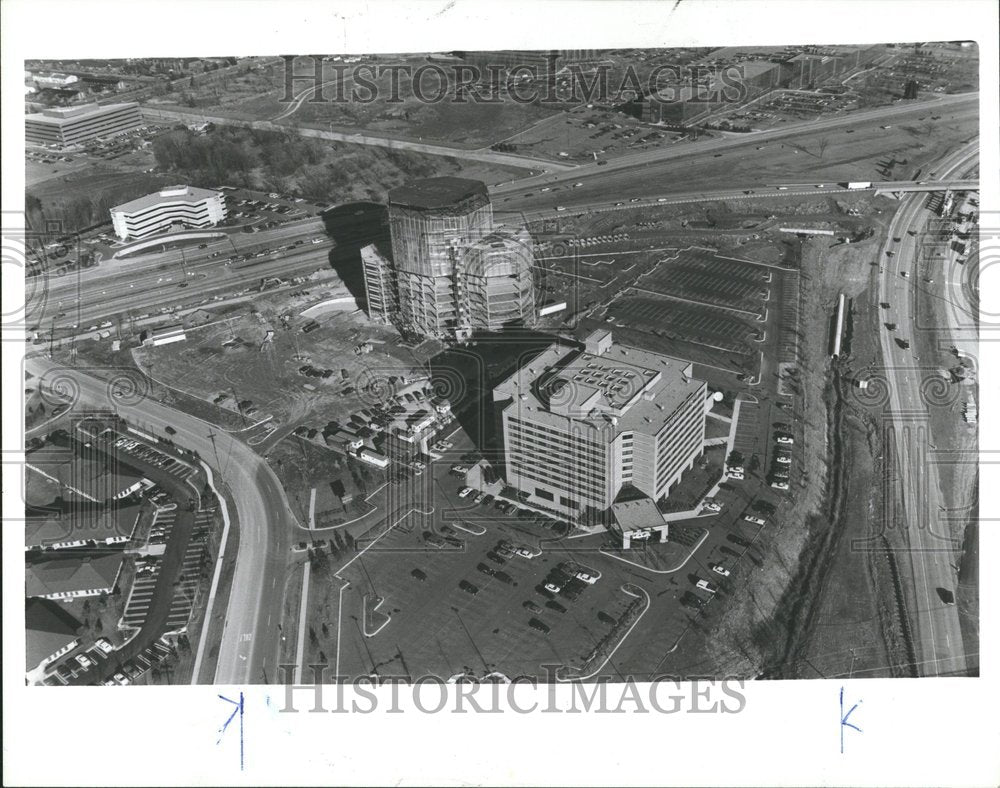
[{"x": 858, "y": 185}]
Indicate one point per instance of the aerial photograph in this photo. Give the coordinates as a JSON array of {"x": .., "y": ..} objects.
[{"x": 567, "y": 365}]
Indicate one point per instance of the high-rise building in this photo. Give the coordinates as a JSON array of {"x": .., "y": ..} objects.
[
  {"x": 72, "y": 125},
  {"x": 581, "y": 424},
  {"x": 451, "y": 270},
  {"x": 499, "y": 284}
]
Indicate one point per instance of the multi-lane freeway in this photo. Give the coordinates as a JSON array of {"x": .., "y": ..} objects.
[
  {"x": 932, "y": 549},
  {"x": 253, "y": 617}
]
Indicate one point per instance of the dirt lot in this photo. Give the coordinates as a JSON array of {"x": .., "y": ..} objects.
[{"x": 232, "y": 361}]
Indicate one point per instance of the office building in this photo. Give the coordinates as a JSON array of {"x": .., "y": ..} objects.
[
  {"x": 73, "y": 125},
  {"x": 183, "y": 205},
  {"x": 451, "y": 270},
  {"x": 581, "y": 424}
]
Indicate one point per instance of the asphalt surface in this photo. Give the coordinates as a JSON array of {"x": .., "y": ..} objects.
[
  {"x": 138, "y": 286},
  {"x": 249, "y": 648},
  {"x": 691, "y": 153},
  {"x": 933, "y": 554}
]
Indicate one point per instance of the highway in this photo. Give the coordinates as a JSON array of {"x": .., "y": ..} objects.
[
  {"x": 932, "y": 551},
  {"x": 691, "y": 152},
  {"x": 144, "y": 284},
  {"x": 251, "y": 635}
]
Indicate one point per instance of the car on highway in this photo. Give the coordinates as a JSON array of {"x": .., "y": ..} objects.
[
  {"x": 619, "y": 203},
  {"x": 169, "y": 430},
  {"x": 560, "y": 207},
  {"x": 634, "y": 199},
  {"x": 755, "y": 520},
  {"x": 578, "y": 184},
  {"x": 720, "y": 570},
  {"x": 704, "y": 585},
  {"x": 903, "y": 274},
  {"x": 661, "y": 199}
]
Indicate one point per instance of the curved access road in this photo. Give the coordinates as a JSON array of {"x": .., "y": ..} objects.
[{"x": 250, "y": 639}]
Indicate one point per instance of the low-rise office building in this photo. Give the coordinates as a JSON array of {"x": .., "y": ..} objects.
[
  {"x": 187, "y": 206},
  {"x": 74, "y": 125}
]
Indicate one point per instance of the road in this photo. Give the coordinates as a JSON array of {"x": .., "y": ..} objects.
[
  {"x": 117, "y": 287},
  {"x": 358, "y": 138},
  {"x": 691, "y": 152},
  {"x": 932, "y": 552},
  {"x": 251, "y": 634}
]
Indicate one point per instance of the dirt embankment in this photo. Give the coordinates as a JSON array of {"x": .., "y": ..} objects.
[{"x": 826, "y": 599}]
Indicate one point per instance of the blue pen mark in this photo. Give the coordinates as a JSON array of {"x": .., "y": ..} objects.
[
  {"x": 845, "y": 719},
  {"x": 238, "y": 710}
]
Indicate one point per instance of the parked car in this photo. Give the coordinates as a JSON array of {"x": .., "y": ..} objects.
[
  {"x": 541, "y": 626},
  {"x": 712, "y": 506},
  {"x": 755, "y": 520},
  {"x": 104, "y": 645},
  {"x": 419, "y": 574},
  {"x": 785, "y": 440},
  {"x": 468, "y": 588},
  {"x": 720, "y": 570},
  {"x": 779, "y": 485},
  {"x": 553, "y": 588},
  {"x": 464, "y": 492},
  {"x": 704, "y": 585}
]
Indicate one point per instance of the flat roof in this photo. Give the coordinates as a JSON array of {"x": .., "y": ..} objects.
[
  {"x": 629, "y": 388},
  {"x": 431, "y": 193},
  {"x": 58, "y": 116},
  {"x": 636, "y": 514},
  {"x": 171, "y": 194}
]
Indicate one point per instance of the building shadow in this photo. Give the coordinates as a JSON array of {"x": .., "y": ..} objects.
[{"x": 353, "y": 226}]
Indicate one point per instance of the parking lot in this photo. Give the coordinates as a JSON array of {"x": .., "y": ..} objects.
[{"x": 702, "y": 276}]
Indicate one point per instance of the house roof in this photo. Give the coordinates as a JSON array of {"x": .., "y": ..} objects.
[
  {"x": 86, "y": 478},
  {"x": 48, "y": 629},
  {"x": 92, "y": 523},
  {"x": 64, "y": 575}
]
